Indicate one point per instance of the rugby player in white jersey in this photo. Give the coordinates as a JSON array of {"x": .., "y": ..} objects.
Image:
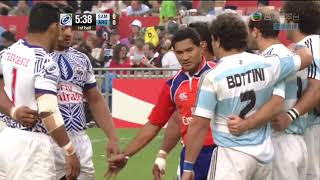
[
  {"x": 306, "y": 15},
  {"x": 290, "y": 157},
  {"x": 30, "y": 79},
  {"x": 240, "y": 84},
  {"x": 76, "y": 83}
]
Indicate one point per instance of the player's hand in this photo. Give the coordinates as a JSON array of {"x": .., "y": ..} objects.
[
  {"x": 116, "y": 163},
  {"x": 73, "y": 167},
  {"x": 187, "y": 176},
  {"x": 159, "y": 168},
  {"x": 112, "y": 148},
  {"x": 237, "y": 125},
  {"x": 26, "y": 116},
  {"x": 281, "y": 122}
]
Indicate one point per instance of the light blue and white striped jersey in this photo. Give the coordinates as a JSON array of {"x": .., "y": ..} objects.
[
  {"x": 295, "y": 85},
  {"x": 313, "y": 43},
  {"x": 240, "y": 85},
  {"x": 76, "y": 76}
]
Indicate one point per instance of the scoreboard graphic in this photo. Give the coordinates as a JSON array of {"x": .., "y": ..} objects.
[{"x": 88, "y": 22}]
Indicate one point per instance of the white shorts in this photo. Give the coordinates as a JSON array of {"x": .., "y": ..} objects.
[
  {"x": 25, "y": 155},
  {"x": 229, "y": 164},
  {"x": 290, "y": 157},
  {"x": 312, "y": 139},
  {"x": 83, "y": 146}
]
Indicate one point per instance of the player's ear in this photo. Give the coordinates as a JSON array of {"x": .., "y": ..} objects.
[{"x": 255, "y": 32}]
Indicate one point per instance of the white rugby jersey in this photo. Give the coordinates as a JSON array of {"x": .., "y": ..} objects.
[
  {"x": 240, "y": 84},
  {"x": 295, "y": 85},
  {"x": 76, "y": 76},
  {"x": 313, "y": 43},
  {"x": 27, "y": 70}
]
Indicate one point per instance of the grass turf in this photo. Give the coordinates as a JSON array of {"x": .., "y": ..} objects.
[{"x": 139, "y": 166}]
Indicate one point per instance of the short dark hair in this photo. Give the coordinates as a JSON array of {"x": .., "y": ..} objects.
[
  {"x": 231, "y": 31},
  {"x": 266, "y": 25},
  {"x": 9, "y": 36},
  {"x": 202, "y": 28},
  {"x": 308, "y": 13},
  {"x": 185, "y": 33},
  {"x": 41, "y": 16}
]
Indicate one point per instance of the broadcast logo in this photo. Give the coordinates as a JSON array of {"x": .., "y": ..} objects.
[
  {"x": 65, "y": 19},
  {"x": 257, "y": 16}
]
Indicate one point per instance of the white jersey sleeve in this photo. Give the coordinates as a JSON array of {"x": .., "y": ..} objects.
[
  {"x": 312, "y": 43},
  {"x": 283, "y": 67},
  {"x": 207, "y": 98},
  {"x": 46, "y": 78}
]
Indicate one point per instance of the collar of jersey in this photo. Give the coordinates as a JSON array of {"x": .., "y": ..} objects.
[
  {"x": 200, "y": 67},
  {"x": 63, "y": 51},
  {"x": 25, "y": 42},
  {"x": 265, "y": 52},
  {"x": 230, "y": 57}
]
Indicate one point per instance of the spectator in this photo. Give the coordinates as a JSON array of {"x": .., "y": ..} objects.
[
  {"x": 7, "y": 39},
  {"x": 135, "y": 33},
  {"x": 155, "y": 10},
  {"x": 152, "y": 57},
  {"x": 77, "y": 39},
  {"x": 13, "y": 29},
  {"x": 120, "y": 58},
  {"x": 22, "y": 9},
  {"x": 169, "y": 60},
  {"x": 136, "y": 8},
  {"x": 109, "y": 44},
  {"x": 85, "y": 49},
  {"x": 1, "y": 31},
  {"x": 217, "y": 7},
  {"x": 136, "y": 53},
  {"x": 168, "y": 11},
  {"x": 92, "y": 42}
]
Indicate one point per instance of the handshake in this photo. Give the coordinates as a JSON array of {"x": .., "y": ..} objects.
[{"x": 119, "y": 161}]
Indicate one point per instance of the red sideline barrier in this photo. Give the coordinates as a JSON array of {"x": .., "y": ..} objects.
[{"x": 133, "y": 100}]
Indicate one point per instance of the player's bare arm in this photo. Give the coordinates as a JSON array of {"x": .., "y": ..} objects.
[
  {"x": 171, "y": 138},
  {"x": 310, "y": 98},
  {"x": 50, "y": 114},
  {"x": 101, "y": 114},
  {"x": 23, "y": 114},
  {"x": 196, "y": 132}
]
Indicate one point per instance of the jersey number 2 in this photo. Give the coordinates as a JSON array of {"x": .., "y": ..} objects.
[
  {"x": 247, "y": 96},
  {"x": 13, "y": 85}
]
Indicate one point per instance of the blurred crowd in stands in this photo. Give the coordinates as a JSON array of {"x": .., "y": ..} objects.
[{"x": 144, "y": 47}]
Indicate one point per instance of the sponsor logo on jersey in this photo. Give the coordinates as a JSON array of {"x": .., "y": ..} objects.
[
  {"x": 186, "y": 120},
  {"x": 183, "y": 96}
]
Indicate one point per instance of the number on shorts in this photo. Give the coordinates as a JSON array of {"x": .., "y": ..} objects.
[{"x": 247, "y": 96}]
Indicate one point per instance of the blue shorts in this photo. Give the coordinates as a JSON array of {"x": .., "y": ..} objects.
[{"x": 202, "y": 164}]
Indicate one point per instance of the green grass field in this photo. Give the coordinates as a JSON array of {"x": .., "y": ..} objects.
[{"x": 139, "y": 167}]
